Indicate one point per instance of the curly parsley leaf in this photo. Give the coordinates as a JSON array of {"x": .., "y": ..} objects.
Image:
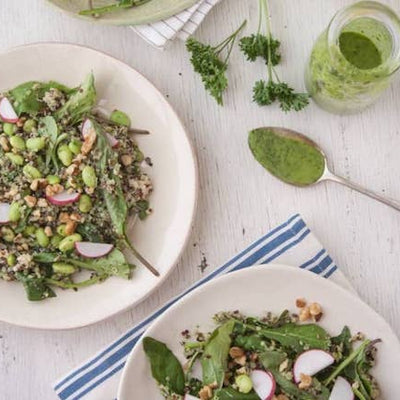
[
  {"x": 207, "y": 62},
  {"x": 259, "y": 45}
]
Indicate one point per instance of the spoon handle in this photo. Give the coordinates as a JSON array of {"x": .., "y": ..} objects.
[{"x": 385, "y": 200}]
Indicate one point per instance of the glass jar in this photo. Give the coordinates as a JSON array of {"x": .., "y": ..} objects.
[{"x": 354, "y": 59}]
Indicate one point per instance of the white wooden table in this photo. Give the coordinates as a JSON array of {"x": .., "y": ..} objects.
[{"x": 238, "y": 200}]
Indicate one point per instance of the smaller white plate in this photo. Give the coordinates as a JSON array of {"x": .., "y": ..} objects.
[
  {"x": 254, "y": 291},
  {"x": 163, "y": 235}
]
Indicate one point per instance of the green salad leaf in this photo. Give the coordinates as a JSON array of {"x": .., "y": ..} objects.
[
  {"x": 80, "y": 102},
  {"x": 214, "y": 359},
  {"x": 26, "y": 97},
  {"x": 165, "y": 367},
  {"x": 36, "y": 288},
  {"x": 299, "y": 337}
]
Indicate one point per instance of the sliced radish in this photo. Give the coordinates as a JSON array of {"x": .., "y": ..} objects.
[
  {"x": 7, "y": 112},
  {"x": 190, "y": 397},
  {"x": 341, "y": 390},
  {"x": 4, "y": 213},
  {"x": 63, "y": 198},
  {"x": 311, "y": 362},
  {"x": 263, "y": 383},
  {"x": 87, "y": 127},
  {"x": 93, "y": 250},
  {"x": 112, "y": 140}
]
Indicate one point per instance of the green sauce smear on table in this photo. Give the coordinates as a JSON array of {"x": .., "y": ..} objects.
[{"x": 290, "y": 160}]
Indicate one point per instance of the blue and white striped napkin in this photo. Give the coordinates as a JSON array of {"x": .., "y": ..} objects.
[
  {"x": 291, "y": 243},
  {"x": 181, "y": 25}
]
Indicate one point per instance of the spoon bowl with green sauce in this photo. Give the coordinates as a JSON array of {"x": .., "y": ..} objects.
[{"x": 295, "y": 159}]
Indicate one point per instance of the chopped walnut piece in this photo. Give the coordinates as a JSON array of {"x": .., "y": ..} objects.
[
  {"x": 51, "y": 190},
  {"x": 305, "y": 381},
  {"x": 236, "y": 352},
  {"x": 48, "y": 231},
  {"x": 301, "y": 303},
  {"x": 304, "y": 314},
  {"x": 4, "y": 143},
  {"x": 30, "y": 201},
  {"x": 63, "y": 217},
  {"x": 42, "y": 203},
  {"x": 240, "y": 360},
  {"x": 70, "y": 227},
  {"x": 126, "y": 160},
  {"x": 206, "y": 393},
  {"x": 315, "y": 309},
  {"x": 88, "y": 142}
]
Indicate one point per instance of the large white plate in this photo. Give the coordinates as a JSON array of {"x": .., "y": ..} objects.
[
  {"x": 254, "y": 291},
  {"x": 160, "y": 238}
]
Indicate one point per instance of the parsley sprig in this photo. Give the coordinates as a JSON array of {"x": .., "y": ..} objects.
[
  {"x": 265, "y": 46},
  {"x": 207, "y": 62}
]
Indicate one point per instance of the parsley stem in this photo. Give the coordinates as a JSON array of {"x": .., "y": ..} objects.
[{"x": 269, "y": 33}]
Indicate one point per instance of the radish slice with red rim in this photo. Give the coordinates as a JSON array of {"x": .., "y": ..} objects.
[
  {"x": 93, "y": 250},
  {"x": 263, "y": 383},
  {"x": 63, "y": 198},
  {"x": 342, "y": 390},
  {"x": 7, "y": 112},
  {"x": 311, "y": 362},
  {"x": 4, "y": 213}
]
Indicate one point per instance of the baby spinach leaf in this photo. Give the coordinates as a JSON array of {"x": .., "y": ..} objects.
[
  {"x": 298, "y": 337},
  {"x": 27, "y": 96},
  {"x": 90, "y": 232},
  {"x": 35, "y": 288},
  {"x": 165, "y": 367},
  {"x": 231, "y": 394},
  {"x": 80, "y": 102},
  {"x": 46, "y": 258},
  {"x": 343, "y": 341},
  {"x": 48, "y": 128},
  {"x": 272, "y": 359},
  {"x": 114, "y": 264},
  {"x": 214, "y": 360},
  {"x": 251, "y": 342}
]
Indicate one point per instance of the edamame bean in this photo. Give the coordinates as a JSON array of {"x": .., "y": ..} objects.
[
  {"x": 9, "y": 129},
  {"x": 89, "y": 176},
  {"x": 63, "y": 268},
  {"x": 29, "y": 125},
  {"x": 120, "y": 118},
  {"x": 52, "y": 179},
  {"x": 17, "y": 143},
  {"x": 244, "y": 383},
  {"x": 65, "y": 155},
  {"x": 30, "y": 230},
  {"x": 85, "y": 203},
  {"x": 56, "y": 240},
  {"x": 41, "y": 238},
  {"x": 61, "y": 230},
  {"x": 7, "y": 234},
  {"x": 31, "y": 172},
  {"x": 35, "y": 144},
  {"x": 15, "y": 212},
  {"x": 16, "y": 159},
  {"x": 11, "y": 260},
  {"x": 68, "y": 243},
  {"x": 139, "y": 156},
  {"x": 75, "y": 146}
]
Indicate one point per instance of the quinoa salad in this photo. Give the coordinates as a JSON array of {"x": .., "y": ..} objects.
[
  {"x": 275, "y": 357},
  {"x": 69, "y": 179}
]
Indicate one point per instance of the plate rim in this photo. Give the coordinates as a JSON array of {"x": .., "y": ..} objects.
[
  {"x": 195, "y": 188},
  {"x": 266, "y": 268},
  {"x": 118, "y": 22}
]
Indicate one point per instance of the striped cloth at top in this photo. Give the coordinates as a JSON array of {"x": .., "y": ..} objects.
[
  {"x": 291, "y": 243},
  {"x": 181, "y": 25}
]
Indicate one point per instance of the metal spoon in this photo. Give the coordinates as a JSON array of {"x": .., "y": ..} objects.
[{"x": 328, "y": 175}]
